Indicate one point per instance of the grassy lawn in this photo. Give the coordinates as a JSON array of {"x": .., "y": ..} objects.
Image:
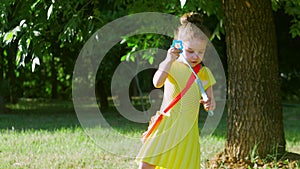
[
  {"x": 291, "y": 118},
  {"x": 48, "y": 135}
]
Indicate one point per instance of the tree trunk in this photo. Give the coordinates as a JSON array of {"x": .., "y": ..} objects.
[
  {"x": 10, "y": 75},
  {"x": 254, "y": 123},
  {"x": 53, "y": 78},
  {"x": 1, "y": 64},
  {"x": 102, "y": 95},
  {"x": 2, "y": 106}
]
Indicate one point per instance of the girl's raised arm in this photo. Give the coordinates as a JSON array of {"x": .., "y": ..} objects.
[{"x": 161, "y": 74}]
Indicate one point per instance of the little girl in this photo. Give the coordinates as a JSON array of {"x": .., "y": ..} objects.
[{"x": 175, "y": 143}]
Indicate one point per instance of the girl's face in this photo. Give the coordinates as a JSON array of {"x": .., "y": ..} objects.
[{"x": 194, "y": 50}]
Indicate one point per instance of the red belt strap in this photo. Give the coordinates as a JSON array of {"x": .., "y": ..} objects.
[{"x": 157, "y": 121}]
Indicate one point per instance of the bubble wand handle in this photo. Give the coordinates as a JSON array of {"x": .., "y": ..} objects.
[{"x": 203, "y": 93}]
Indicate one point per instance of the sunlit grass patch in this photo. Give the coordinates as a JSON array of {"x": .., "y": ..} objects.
[{"x": 49, "y": 135}]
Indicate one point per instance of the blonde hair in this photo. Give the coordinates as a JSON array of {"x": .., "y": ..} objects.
[{"x": 191, "y": 27}]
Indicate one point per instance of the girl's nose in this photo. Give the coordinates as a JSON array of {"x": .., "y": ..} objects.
[{"x": 194, "y": 55}]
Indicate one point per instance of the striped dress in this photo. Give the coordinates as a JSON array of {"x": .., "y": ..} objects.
[{"x": 175, "y": 143}]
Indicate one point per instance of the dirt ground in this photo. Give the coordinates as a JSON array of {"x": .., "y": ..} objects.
[{"x": 288, "y": 161}]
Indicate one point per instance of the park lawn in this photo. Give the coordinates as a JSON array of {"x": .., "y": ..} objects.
[
  {"x": 291, "y": 118},
  {"x": 48, "y": 135}
]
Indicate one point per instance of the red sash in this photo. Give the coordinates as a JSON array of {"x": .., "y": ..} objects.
[{"x": 154, "y": 123}]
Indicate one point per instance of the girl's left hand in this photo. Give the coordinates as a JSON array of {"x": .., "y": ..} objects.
[{"x": 209, "y": 104}]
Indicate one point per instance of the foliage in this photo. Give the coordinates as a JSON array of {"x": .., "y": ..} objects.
[
  {"x": 50, "y": 32},
  {"x": 292, "y": 8},
  {"x": 53, "y": 32},
  {"x": 213, "y": 17}
]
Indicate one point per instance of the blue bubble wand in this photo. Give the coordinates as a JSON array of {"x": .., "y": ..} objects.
[{"x": 203, "y": 93}]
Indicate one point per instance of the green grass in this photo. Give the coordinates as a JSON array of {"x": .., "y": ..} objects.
[
  {"x": 291, "y": 118},
  {"x": 47, "y": 134},
  {"x": 65, "y": 148}
]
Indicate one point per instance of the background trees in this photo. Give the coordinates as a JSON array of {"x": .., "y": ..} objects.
[{"x": 54, "y": 32}]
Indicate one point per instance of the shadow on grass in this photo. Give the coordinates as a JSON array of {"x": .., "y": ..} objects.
[
  {"x": 56, "y": 114},
  {"x": 291, "y": 118},
  {"x": 53, "y": 115},
  {"x": 48, "y": 115}
]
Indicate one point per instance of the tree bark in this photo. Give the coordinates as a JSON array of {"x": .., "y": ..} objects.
[
  {"x": 53, "y": 78},
  {"x": 102, "y": 95},
  {"x": 2, "y": 105},
  {"x": 254, "y": 123},
  {"x": 1, "y": 64},
  {"x": 10, "y": 74}
]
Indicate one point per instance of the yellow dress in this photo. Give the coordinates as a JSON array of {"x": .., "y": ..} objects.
[{"x": 175, "y": 143}]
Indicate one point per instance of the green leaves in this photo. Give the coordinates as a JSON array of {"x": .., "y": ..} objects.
[
  {"x": 218, "y": 31},
  {"x": 210, "y": 8},
  {"x": 11, "y": 35},
  {"x": 182, "y": 3},
  {"x": 142, "y": 42},
  {"x": 8, "y": 37},
  {"x": 292, "y": 8},
  {"x": 49, "y": 11},
  {"x": 22, "y": 53},
  {"x": 276, "y": 5},
  {"x": 295, "y": 28},
  {"x": 35, "y": 61},
  {"x": 35, "y": 31}
]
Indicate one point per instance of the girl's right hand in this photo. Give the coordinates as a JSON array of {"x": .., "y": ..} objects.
[
  {"x": 161, "y": 74},
  {"x": 173, "y": 54},
  {"x": 209, "y": 104}
]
